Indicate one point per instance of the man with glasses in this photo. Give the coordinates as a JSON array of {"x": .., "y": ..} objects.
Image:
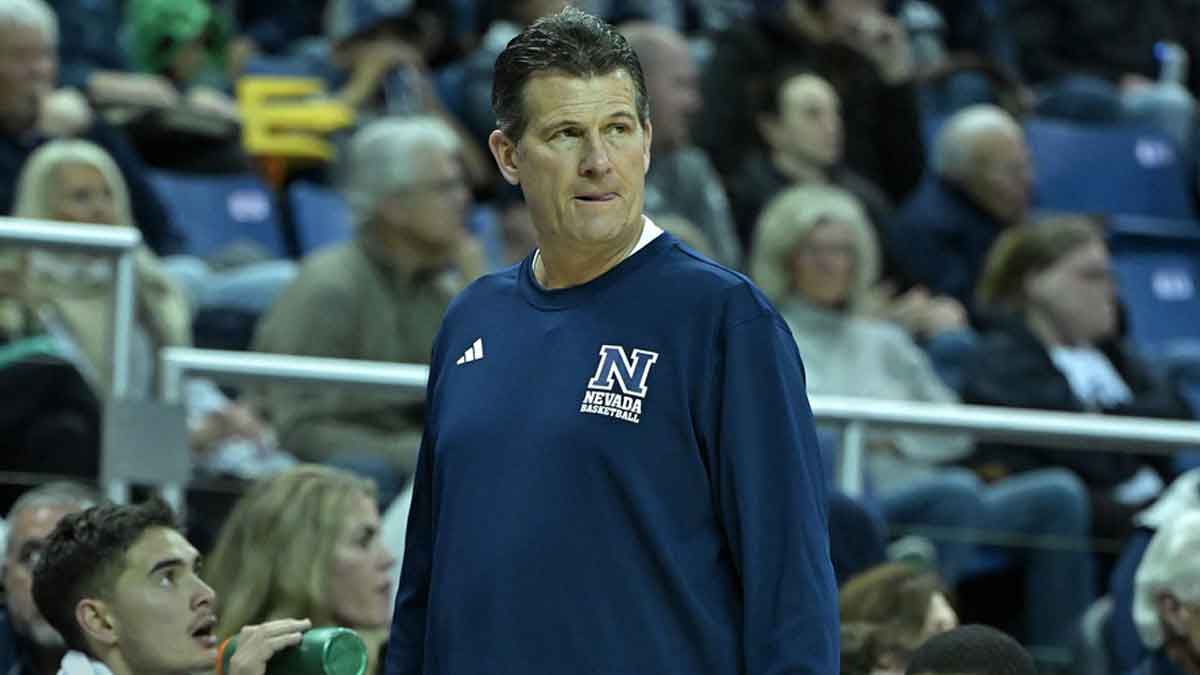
[{"x": 379, "y": 296}]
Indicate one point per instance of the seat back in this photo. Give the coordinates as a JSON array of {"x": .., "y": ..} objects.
[
  {"x": 215, "y": 212},
  {"x": 319, "y": 215},
  {"x": 1157, "y": 265}
]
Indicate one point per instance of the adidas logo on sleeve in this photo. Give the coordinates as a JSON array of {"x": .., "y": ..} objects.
[{"x": 473, "y": 353}]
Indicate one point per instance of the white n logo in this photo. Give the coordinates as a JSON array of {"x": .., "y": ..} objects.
[{"x": 629, "y": 375}]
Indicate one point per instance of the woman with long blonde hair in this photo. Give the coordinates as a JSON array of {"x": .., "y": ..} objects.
[{"x": 305, "y": 543}]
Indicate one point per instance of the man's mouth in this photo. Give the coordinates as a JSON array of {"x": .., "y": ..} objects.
[
  {"x": 597, "y": 197},
  {"x": 202, "y": 631}
]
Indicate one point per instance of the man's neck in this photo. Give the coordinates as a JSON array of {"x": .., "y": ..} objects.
[
  {"x": 797, "y": 170},
  {"x": 559, "y": 265}
]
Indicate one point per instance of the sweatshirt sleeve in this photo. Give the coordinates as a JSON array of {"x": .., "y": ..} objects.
[
  {"x": 771, "y": 497},
  {"x": 406, "y": 643}
]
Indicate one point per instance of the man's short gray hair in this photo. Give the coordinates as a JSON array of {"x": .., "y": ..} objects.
[
  {"x": 953, "y": 149},
  {"x": 1171, "y": 565},
  {"x": 34, "y": 13},
  {"x": 389, "y": 154},
  {"x": 57, "y": 493}
]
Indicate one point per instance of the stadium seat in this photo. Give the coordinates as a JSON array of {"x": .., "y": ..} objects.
[
  {"x": 215, "y": 212},
  {"x": 1108, "y": 169},
  {"x": 1157, "y": 265},
  {"x": 319, "y": 215}
]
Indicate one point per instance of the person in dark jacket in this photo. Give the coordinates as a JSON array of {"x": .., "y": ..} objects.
[
  {"x": 979, "y": 184},
  {"x": 865, "y": 56},
  {"x": 1056, "y": 348},
  {"x": 28, "y": 69}
]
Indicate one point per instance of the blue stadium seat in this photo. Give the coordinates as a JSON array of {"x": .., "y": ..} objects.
[
  {"x": 320, "y": 216},
  {"x": 1108, "y": 169},
  {"x": 215, "y": 212},
  {"x": 1157, "y": 264}
]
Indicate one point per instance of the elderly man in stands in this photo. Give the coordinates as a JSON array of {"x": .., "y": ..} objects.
[
  {"x": 980, "y": 184},
  {"x": 38, "y": 648},
  {"x": 32, "y": 111},
  {"x": 378, "y": 297},
  {"x": 681, "y": 181},
  {"x": 1166, "y": 601}
]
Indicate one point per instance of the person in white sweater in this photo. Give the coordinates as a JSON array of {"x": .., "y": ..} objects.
[{"x": 816, "y": 257}]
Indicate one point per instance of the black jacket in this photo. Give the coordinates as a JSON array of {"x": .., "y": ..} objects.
[{"x": 1012, "y": 368}]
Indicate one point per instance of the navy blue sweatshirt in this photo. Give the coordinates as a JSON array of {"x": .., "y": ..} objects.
[{"x": 620, "y": 477}]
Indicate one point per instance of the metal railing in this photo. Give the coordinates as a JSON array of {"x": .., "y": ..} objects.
[
  {"x": 117, "y": 242},
  {"x": 1031, "y": 427}
]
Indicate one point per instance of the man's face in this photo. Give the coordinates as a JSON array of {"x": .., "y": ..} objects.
[
  {"x": 809, "y": 126},
  {"x": 28, "y": 68},
  {"x": 583, "y": 158},
  {"x": 432, "y": 210},
  {"x": 673, "y": 85},
  {"x": 1077, "y": 294},
  {"x": 1002, "y": 177},
  {"x": 26, "y": 541},
  {"x": 163, "y": 613}
]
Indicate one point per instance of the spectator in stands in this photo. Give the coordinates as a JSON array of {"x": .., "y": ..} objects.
[
  {"x": 800, "y": 121},
  {"x": 31, "y": 113},
  {"x": 863, "y": 52},
  {"x": 474, "y": 101},
  {"x": 971, "y": 650},
  {"x": 980, "y": 184},
  {"x": 1055, "y": 347},
  {"x": 326, "y": 560},
  {"x": 681, "y": 181},
  {"x": 77, "y": 181},
  {"x": 38, "y": 646},
  {"x": 869, "y": 649},
  {"x": 1123, "y": 644},
  {"x": 817, "y": 260},
  {"x": 1102, "y": 62},
  {"x": 379, "y": 297},
  {"x": 121, "y": 584},
  {"x": 187, "y": 42},
  {"x": 907, "y": 603},
  {"x": 1166, "y": 603}
]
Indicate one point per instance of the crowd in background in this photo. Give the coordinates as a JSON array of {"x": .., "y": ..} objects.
[{"x": 868, "y": 163}]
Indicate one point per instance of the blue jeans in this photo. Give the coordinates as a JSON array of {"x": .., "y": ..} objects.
[{"x": 1050, "y": 505}]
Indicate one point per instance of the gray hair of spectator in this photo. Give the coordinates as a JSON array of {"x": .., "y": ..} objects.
[
  {"x": 1171, "y": 565},
  {"x": 571, "y": 42},
  {"x": 791, "y": 215},
  {"x": 389, "y": 154},
  {"x": 954, "y": 146},
  {"x": 35, "y": 13},
  {"x": 56, "y": 493},
  {"x": 647, "y": 39},
  {"x": 37, "y": 179}
]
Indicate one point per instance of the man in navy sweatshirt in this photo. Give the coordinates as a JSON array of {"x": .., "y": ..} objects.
[{"x": 619, "y": 472}]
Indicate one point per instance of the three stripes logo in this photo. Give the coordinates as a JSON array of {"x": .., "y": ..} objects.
[{"x": 473, "y": 353}]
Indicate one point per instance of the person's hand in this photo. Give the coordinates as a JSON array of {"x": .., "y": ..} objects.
[
  {"x": 213, "y": 102},
  {"x": 257, "y": 644},
  {"x": 137, "y": 89},
  {"x": 65, "y": 113},
  {"x": 238, "y": 54},
  {"x": 943, "y": 314},
  {"x": 884, "y": 41},
  {"x": 1179, "y": 651},
  {"x": 233, "y": 421}
]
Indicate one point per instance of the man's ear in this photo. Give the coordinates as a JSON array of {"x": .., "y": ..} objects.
[
  {"x": 504, "y": 150},
  {"x": 648, "y": 131},
  {"x": 768, "y": 128},
  {"x": 96, "y": 620},
  {"x": 1170, "y": 610}
]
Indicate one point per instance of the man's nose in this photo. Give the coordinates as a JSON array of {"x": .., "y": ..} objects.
[{"x": 595, "y": 157}]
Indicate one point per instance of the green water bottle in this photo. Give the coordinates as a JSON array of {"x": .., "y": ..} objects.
[{"x": 322, "y": 651}]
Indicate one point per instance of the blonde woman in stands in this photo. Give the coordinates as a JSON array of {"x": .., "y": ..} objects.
[
  {"x": 69, "y": 293},
  {"x": 306, "y": 543}
]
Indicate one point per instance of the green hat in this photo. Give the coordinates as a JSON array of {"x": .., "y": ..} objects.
[{"x": 158, "y": 28}]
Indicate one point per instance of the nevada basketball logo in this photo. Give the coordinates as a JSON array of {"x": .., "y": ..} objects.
[{"x": 619, "y": 385}]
